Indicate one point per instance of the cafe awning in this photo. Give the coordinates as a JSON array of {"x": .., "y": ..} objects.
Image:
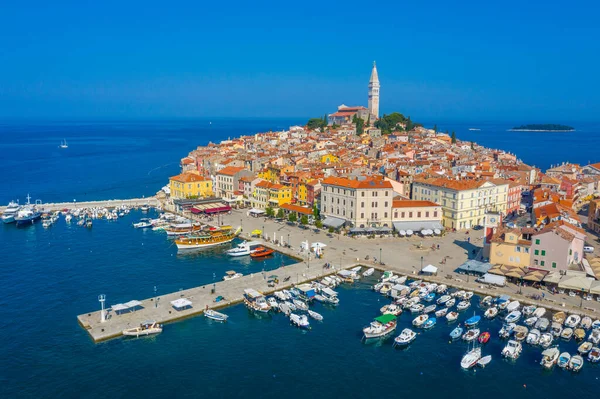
[
  {"x": 336, "y": 223},
  {"x": 418, "y": 225}
]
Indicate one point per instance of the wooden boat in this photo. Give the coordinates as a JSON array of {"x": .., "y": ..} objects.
[
  {"x": 214, "y": 315},
  {"x": 209, "y": 239},
  {"x": 579, "y": 334},
  {"x": 559, "y": 317},
  {"x": 585, "y": 348},
  {"x": 183, "y": 228},
  {"x": 261, "y": 252},
  {"x": 380, "y": 327},
  {"x": 146, "y": 328}
]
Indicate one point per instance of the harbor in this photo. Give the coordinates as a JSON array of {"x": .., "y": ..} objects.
[{"x": 108, "y": 204}]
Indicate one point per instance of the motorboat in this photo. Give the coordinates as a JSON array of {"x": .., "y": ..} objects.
[
  {"x": 487, "y": 301},
  {"x": 144, "y": 223},
  {"x": 484, "y": 337},
  {"x": 456, "y": 333},
  {"x": 145, "y": 328},
  {"x": 556, "y": 329},
  {"x": 300, "y": 305},
  {"x": 579, "y": 334},
  {"x": 484, "y": 361},
  {"x": 512, "y": 306},
  {"x": 214, "y": 315},
  {"x": 420, "y": 320},
  {"x": 542, "y": 324},
  {"x": 273, "y": 303},
  {"x": 596, "y": 323},
  {"x": 429, "y": 309},
  {"x": 576, "y": 363},
  {"x": 470, "y": 358},
  {"x": 463, "y": 305},
  {"x": 300, "y": 321},
  {"x": 506, "y": 330},
  {"x": 452, "y": 316},
  {"x": 417, "y": 308},
  {"x": 443, "y": 299},
  {"x": 440, "y": 289},
  {"x": 406, "y": 337},
  {"x": 242, "y": 249},
  {"x": 430, "y": 323},
  {"x": 559, "y": 317},
  {"x": 8, "y": 216},
  {"x": 594, "y": 355},
  {"x": 520, "y": 332},
  {"x": 450, "y": 302},
  {"x": 368, "y": 272},
  {"x": 550, "y": 357},
  {"x": 528, "y": 310},
  {"x": 586, "y": 323},
  {"x": 441, "y": 312},
  {"x": 231, "y": 274},
  {"x": 512, "y": 350},
  {"x": 567, "y": 333},
  {"x": 546, "y": 340},
  {"x": 460, "y": 294},
  {"x": 261, "y": 252},
  {"x": 594, "y": 336},
  {"x": 256, "y": 301},
  {"x": 490, "y": 313},
  {"x": 563, "y": 360},
  {"x": 533, "y": 338},
  {"x": 472, "y": 321},
  {"x": 513, "y": 317},
  {"x": 539, "y": 312},
  {"x": 572, "y": 321},
  {"x": 468, "y": 295},
  {"x": 285, "y": 308},
  {"x": 530, "y": 321},
  {"x": 471, "y": 335},
  {"x": 315, "y": 315},
  {"x": 380, "y": 327},
  {"x": 280, "y": 295},
  {"x": 585, "y": 347}
]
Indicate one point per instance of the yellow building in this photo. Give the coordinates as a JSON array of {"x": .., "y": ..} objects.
[
  {"x": 329, "y": 158},
  {"x": 279, "y": 195},
  {"x": 510, "y": 247},
  {"x": 302, "y": 193},
  {"x": 190, "y": 185},
  {"x": 268, "y": 194}
]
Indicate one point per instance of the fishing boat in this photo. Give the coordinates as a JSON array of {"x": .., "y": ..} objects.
[
  {"x": 484, "y": 361},
  {"x": 520, "y": 332},
  {"x": 380, "y": 327},
  {"x": 440, "y": 289},
  {"x": 417, "y": 308},
  {"x": 430, "y": 323},
  {"x": 542, "y": 324},
  {"x": 214, "y": 315},
  {"x": 231, "y": 274},
  {"x": 559, "y": 317},
  {"x": 513, "y": 317},
  {"x": 533, "y": 338},
  {"x": 530, "y": 321},
  {"x": 470, "y": 358},
  {"x": 284, "y": 307},
  {"x": 10, "y": 212},
  {"x": 594, "y": 355},
  {"x": 463, "y": 305},
  {"x": 406, "y": 337},
  {"x": 512, "y": 306},
  {"x": 443, "y": 299},
  {"x": 472, "y": 321},
  {"x": 429, "y": 309},
  {"x": 572, "y": 321},
  {"x": 273, "y": 303},
  {"x": 392, "y": 309},
  {"x": 450, "y": 302},
  {"x": 145, "y": 328},
  {"x": 261, "y": 252},
  {"x": 512, "y": 350},
  {"x": 594, "y": 336},
  {"x": 255, "y": 301},
  {"x": 452, "y": 316},
  {"x": 300, "y": 305},
  {"x": 487, "y": 301},
  {"x": 556, "y": 329},
  {"x": 420, "y": 320},
  {"x": 584, "y": 348},
  {"x": 456, "y": 333},
  {"x": 208, "y": 239},
  {"x": 550, "y": 357},
  {"x": 563, "y": 360},
  {"x": 368, "y": 272},
  {"x": 471, "y": 335},
  {"x": 528, "y": 310},
  {"x": 579, "y": 334},
  {"x": 567, "y": 333},
  {"x": 441, "y": 312},
  {"x": 484, "y": 337},
  {"x": 490, "y": 313},
  {"x": 300, "y": 321},
  {"x": 576, "y": 363},
  {"x": 539, "y": 312},
  {"x": 315, "y": 315},
  {"x": 545, "y": 340},
  {"x": 144, "y": 223}
]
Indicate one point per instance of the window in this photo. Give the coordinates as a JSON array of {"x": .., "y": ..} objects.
[
  {"x": 427, "y": 214},
  {"x": 396, "y": 214},
  {"x": 554, "y": 265},
  {"x": 526, "y": 250},
  {"x": 362, "y": 204},
  {"x": 418, "y": 214},
  {"x": 518, "y": 249},
  {"x": 386, "y": 193},
  {"x": 362, "y": 194},
  {"x": 386, "y": 204},
  {"x": 543, "y": 253},
  {"x": 410, "y": 214},
  {"x": 385, "y": 215},
  {"x": 351, "y": 215},
  {"x": 536, "y": 252},
  {"x": 403, "y": 215},
  {"x": 537, "y": 242},
  {"x": 434, "y": 214},
  {"x": 570, "y": 252},
  {"x": 542, "y": 263},
  {"x": 362, "y": 215},
  {"x": 511, "y": 259},
  {"x": 535, "y": 262}
]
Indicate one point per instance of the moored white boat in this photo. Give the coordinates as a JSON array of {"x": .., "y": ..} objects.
[
  {"x": 564, "y": 359},
  {"x": 420, "y": 320},
  {"x": 463, "y": 305},
  {"x": 545, "y": 340},
  {"x": 452, "y": 316},
  {"x": 576, "y": 363},
  {"x": 406, "y": 337},
  {"x": 300, "y": 321},
  {"x": 368, "y": 272},
  {"x": 145, "y": 328},
  {"x": 214, "y": 315},
  {"x": 572, "y": 321},
  {"x": 470, "y": 358},
  {"x": 380, "y": 327},
  {"x": 315, "y": 315},
  {"x": 549, "y": 357},
  {"x": 490, "y": 313},
  {"x": 513, "y": 317},
  {"x": 512, "y": 350},
  {"x": 471, "y": 335}
]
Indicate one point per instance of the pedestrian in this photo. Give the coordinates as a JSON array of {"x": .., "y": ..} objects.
[
  {"x": 438, "y": 246},
  {"x": 468, "y": 239}
]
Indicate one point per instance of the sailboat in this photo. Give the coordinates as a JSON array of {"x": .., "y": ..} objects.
[{"x": 64, "y": 144}]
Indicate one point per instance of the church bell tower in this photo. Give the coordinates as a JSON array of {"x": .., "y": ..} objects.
[{"x": 374, "y": 93}]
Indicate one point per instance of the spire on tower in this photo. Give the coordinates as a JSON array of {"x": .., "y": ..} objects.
[{"x": 374, "y": 77}]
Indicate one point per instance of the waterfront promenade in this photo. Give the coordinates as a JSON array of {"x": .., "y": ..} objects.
[{"x": 132, "y": 202}]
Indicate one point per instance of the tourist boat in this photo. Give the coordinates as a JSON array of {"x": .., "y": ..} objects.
[
  {"x": 429, "y": 309},
  {"x": 315, "y": 315},
  {"x": 441, "y": 312},
  {"x": 559, "y": 317},
  {"x": 471, "y": 335},
  {"x": 456, "y": 333},
  {"x": 490, "y": 313},
  {"x": 430, "y": 323},
  {"x": 470, "y": 358},
  {"x": 420, "y": 320},
  {"x": 539, "y": 312},
  {"x": 542, "y": 324},
  {"x": 145, "y": 328},
  {"x": 579, "y": 334},
  {"x": 27, "y": 215},
  {"x": 520, "y": 332},
  {"x": 586, "y": 323},
  {"x": 452, "y": 316},
  {"x": 594, "y": 355},
  {"x": 463, "y": 305},
  {"x": 406, "y": 337},
  {"x": 567, "y": 333},
  {"x": 487, "y": 301},
  {"x": 261, "y": 252},
  {"x": 256, "y": 301},
  {"x": 528, "y": 310},
  {"x": 300, "y": 305},
  {"x": 300, "y": 321},
  {"x": 368, "y": 272},
  {"x": 545, "y": 340},
  {"x": 484, "y": 361},
  {"x": 450, "y": 302},
  {"x": 564, "y": 359},
  {"x": 533, "y": 338},
  {"x": 231, "y": 274},
  {"x": 573, "y": 321},
  {"x": 63, "y": 144},
  {"x": 214, "y": 315},
  {"x": 576, "y": 363},
  {"x": 550, "y": 357},
  {"x": 513, "y": 317},
  {"x": 180, "y": 229},
  {"x": 594, "y": 336},
  {"x": 443, "y": 299},
  {"x": 556, "y": 329},
  {"x": 512, "y": 350},
  {"x": 143, "y": 224},
  {"x": 8, "y": 216},
  {"x": 380, "y": 327},
  {"x": 484, "y": 338},
  {"x": 584, "y": 348},
  {"x": 472, "y": 321},
  {"x": 208, "y": 239},
  {"x": 512, "y": 306}
]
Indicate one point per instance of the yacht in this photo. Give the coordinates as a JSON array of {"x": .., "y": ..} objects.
[
  {"x": 8, "y": 216},
  {"x": 512, "y": 350},
  {"x": 143, "y": 223},
  {"x": 406, "y": 337}
]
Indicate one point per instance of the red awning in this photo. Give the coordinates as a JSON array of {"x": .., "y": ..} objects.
[
  {"x": 195, "y": 211},
  {"x": 218, "y": 209}
]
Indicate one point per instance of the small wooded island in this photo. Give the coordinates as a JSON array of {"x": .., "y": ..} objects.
[{"x": 546, "y": 127}]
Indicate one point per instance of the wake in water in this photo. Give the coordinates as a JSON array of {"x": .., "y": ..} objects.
[{"x": 160, "y": 167}]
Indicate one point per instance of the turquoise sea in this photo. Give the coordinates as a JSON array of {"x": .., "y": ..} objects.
[{"x": 47, "y": 277}]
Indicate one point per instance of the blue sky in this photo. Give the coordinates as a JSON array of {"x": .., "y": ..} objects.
[{"x": 477, "y": 61}]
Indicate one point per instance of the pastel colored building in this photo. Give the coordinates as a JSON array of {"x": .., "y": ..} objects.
[{"x": 190, "y": 185}]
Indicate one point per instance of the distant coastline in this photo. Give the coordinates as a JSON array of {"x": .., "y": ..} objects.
[{"x": 542, "y": 128}]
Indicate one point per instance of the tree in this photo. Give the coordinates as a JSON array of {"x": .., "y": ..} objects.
[
  {"x": 315, "y": 123},
  {"x": 280, "y": 214},
  {"x": 304, "y": 220},
  {"x": 318, "y": 224},
  {"x": 270, "y": 212},
  {"x": 316, "y": 212},
  {"x": 409, "y": 125},
  {"x": 435, "y": 128},
  {"x": 360, "y": 124},
  {"x": 331, "y": 229},
  {"x": 453, "y": 137},
  {"x": 292, "y": 217},
  {"x": 472, "y": 146},
  {"x": 369, "y": 120}
]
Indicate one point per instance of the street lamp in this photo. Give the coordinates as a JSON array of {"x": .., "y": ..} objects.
[
  {"x": 421, "y": 264},
  {"x": 582, "y": 293},
  {"x": 521, "y": 286},
  {"x": 241, "y": 224},
  {"x": 155, "y": 298},
  {"x": 380, "y": 261},
  {"x": 288, "y": 239},
  {"x": 263, "y": 231},
  {"x": 467, "y": 273}
]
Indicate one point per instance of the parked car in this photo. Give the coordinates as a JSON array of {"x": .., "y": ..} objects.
[{"x": 588, "y": 249}]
